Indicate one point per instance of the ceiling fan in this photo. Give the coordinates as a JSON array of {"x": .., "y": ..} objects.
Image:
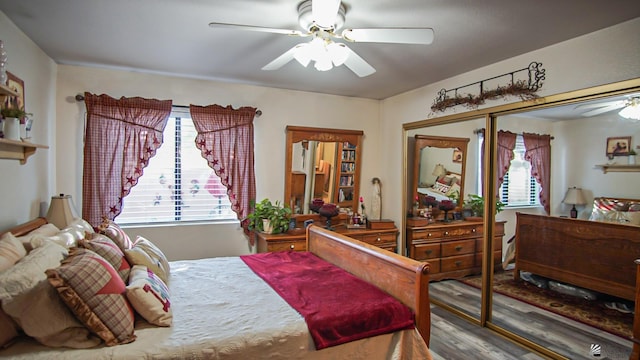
[
  {"x": 630, "y": 107},
  {"x": 320, "y": 20}
]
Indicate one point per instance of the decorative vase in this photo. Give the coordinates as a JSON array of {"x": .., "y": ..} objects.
[
  {"x": 11, "y": 128},
  {"x": 266, "y": 226},
  {"x": 329, "y": 211}
]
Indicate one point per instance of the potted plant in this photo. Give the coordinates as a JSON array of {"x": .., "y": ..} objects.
[
  {"x": 475, "y": 203},
  {"x": 13, "y": 112},
  {"x": 13, "y": 117},
  {"x": 270, "y": 218}
]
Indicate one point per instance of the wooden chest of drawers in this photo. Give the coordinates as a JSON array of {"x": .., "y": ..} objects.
[
  {"x": 453, "y": 249},
  {"x": 383, "y": 238}
]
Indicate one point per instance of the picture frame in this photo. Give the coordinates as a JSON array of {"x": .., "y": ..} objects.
[
  {"x": 618, "y": 146},
  {"x": 457, "y": 155},
  {"x": 16, "y": 84}
]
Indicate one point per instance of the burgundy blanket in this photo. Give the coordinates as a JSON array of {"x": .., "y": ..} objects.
[{"x": 337, "y": 306}]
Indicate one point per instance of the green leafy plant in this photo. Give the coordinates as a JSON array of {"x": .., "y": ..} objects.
[
  {"x": 476, "y": 204},
  {"x": 11, "y": 112},
  {"x": 277, "y": 214},
  {"x": 632, "y": 152}
]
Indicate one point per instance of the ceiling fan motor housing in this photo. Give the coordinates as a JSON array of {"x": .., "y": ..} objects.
[{"x": 306, "y": 21}]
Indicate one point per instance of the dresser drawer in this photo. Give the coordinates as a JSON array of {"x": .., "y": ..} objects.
[
  {"x": 299, "y": 245},
  {"x": 426, "y": 251},
  {"x": 460, "y": 247},
  {"x": 426, "y": 234},
  {"x": 434, "y": 266},
  {"x": 378, "y": 239},
  {"x": 464, "y": 231},
  {"x": 454, "y": 263},
  {"x": 497, "y": 259},
  {"x": 497, "y": 243}
]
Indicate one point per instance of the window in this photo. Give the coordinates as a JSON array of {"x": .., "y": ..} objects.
[
  {"x": 519, "y": 188},
  {"x": 177, "y": 185}
]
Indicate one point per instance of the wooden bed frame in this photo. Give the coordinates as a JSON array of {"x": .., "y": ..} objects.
[
  {"x": 404, "y": 278},
  {"x": 590, "y": 254}
]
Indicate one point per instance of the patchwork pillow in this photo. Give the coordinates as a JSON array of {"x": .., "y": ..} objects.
[
  {"x": 454, "y": 189},
  {"x": 440, "y": 187},
  {"x": 30, "y": 270},
  {"x": 108, "y": 249},
  {"x": 94, "y": 291},
  {"x": 115, "y": 233},
  {"x": 11, "y": 250},
  {"x": 144, "y": 252},
  {"x": 44, "y": 230},
  {"x": 8, "y": 329},
  {"x": 42, "y": 315},
  {"x": 149, "y": 296}
]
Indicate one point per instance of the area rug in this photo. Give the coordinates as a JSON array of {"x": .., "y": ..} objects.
[{"x": 591, "y": 312}]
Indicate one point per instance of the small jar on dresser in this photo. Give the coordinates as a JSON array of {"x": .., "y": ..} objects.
[{"x": 454, "y": 249}]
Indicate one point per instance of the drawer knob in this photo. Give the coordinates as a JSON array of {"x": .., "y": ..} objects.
[
  {"x": 429, "y": 235},
  {"x": 458, "y": 263},
  {"x": 458, "y": 248},
  {"x": 292, "y": 246},
  {"x": 473, "y": 230},
  {"x": 446, "y": 233},
  {"x": 429, "y": 252},
  {"x": 378, "y": 239}
]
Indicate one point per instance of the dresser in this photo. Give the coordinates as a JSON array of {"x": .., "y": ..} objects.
[
  {"x": 453, "y": 249},
  {"x": 296, "y": 239}
]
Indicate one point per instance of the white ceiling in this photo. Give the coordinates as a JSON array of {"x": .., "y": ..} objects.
[{"x": 173, "y": 37}]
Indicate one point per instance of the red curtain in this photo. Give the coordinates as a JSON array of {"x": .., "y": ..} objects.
[
  {"x": 538, "y": 153},
  {"x": 225, "y": 140},
  {"x": 506, "y": 144},
  {"x": 121, "y": 136}
]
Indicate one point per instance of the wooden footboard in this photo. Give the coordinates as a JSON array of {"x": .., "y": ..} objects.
[
  {"x": 590, "y": 254},
  {"x": 404, "y": 278},
  {"x": 635, "y": 353}
]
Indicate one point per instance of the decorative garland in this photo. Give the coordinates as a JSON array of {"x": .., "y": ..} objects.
[{"x": 525, "y": 89}]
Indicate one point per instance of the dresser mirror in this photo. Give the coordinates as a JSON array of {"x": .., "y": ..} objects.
[
  {"x": 562, "y": 117},
  {"x": 439, "y": 167},
  {"x": 322, "y": 163}
]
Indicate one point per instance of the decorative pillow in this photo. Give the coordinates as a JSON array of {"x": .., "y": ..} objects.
[
  {"x": 42, "y": 315},
  {"x": 144, "y": 252},
  {"x": 115, "y": 233},
  {"x": 67, "y": 237},
  {"x": 44, "y": 230},
  {"x": 149, "y": 295},
  {"x": 30, "y": 270},
  {"x": 11, "y": 250},
  {"x": 94, "y": 291},
  {"x": 454, "y": 189},
  {"x": 108, "y": 249},
  {"x": 440, "y": 187},
  {"x": 8, "y": 329}
]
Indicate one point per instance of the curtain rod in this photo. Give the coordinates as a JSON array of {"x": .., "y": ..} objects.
[
  {"x": 477, "y": 131},
  {"x": 80, "y": 97}
]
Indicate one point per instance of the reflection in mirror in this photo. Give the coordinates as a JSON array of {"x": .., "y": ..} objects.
[{"x": 322, "y": 163}]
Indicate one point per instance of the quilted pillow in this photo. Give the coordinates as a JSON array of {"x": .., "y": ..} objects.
[
  {"x": 94, "y": 291},
  {"x": 149, "y": 295},
  {"x": 42, "y": 315},
  {"x": 8, "y": 329},
  {"x": 108, "y": 249},
  {"x": 67, "y": 237},
  {"x": 115, "y": 233},
  {"x": 11, "y": 250},
  {"x": 144, "y": 252},
  {"x": 440, "y": 187},
  {"x": 27, "y": 272}
]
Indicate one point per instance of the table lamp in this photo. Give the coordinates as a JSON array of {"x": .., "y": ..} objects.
[
  {"x": 61, "y": 211},
  {"x": 439, "y": 171},
  {"x": 574, "y": 197}
]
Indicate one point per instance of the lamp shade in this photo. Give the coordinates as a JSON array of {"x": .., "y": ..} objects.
[
  {"x": 574, "y": 196},
  {"x": 439, "y": 170},
  {"x": 61, "y": 211}
]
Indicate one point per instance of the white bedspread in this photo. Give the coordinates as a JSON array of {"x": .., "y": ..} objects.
[{"x": 222, "y": 310}]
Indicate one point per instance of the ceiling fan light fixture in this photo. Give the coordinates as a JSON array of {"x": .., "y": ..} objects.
[
  {"x": 323, "y": 64},
  {"x": 338, "y": 53},
  {"x": 632, "y": 109},
  {"x": 302, "y": 54}
]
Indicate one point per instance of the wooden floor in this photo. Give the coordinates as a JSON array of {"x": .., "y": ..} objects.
[{"x": 455, "y": 338}]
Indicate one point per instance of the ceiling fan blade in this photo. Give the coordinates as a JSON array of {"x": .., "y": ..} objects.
[
  {"x": 324, "y": 12},
  {"x": 357, "y": 64},
  {"x": 422, "y": 36},
  {"x": 281, "y": 60},
  {"x": 257, "y": 28},
  {"x": 603, "y": 109},
  {"x": 600, "y": 104}
]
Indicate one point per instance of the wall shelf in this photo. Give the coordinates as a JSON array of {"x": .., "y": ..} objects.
[
  {"x": 618, "y": 168},
  {"x": 19, "y": 150}
]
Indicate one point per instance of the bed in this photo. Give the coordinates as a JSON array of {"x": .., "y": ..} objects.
[{"x": 256, "y": 322}]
